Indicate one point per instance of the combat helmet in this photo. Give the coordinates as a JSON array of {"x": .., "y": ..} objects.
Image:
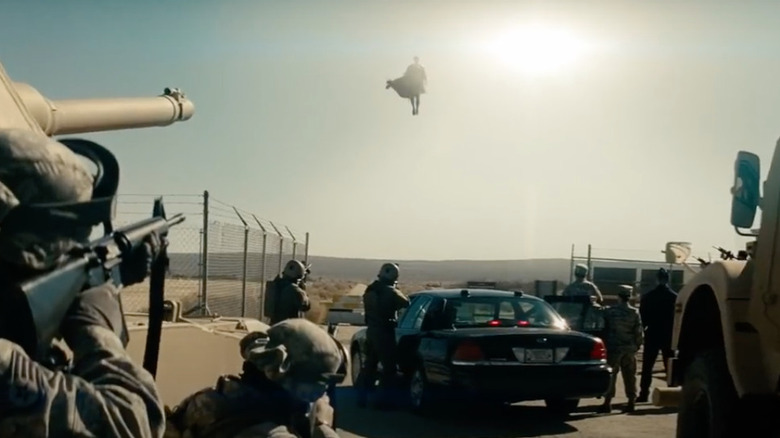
[
  {"x": 299, "y": 355},
  {"x": 580, "y": 270},
  {"x": 389, "y": 272},
  {"x": 49, "y": 201},
  {"x": 294, "y": 270}
]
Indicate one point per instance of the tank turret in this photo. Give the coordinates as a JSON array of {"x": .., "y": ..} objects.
[{"x": 22, "y": 106}]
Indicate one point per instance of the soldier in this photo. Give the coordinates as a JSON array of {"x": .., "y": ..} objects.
[
  {"x": 381, "y": 302},
  {"x": 657, "y": 310},
  {"x": 291, "y": 300},
  {"x": 624, "y": 337},
  {"x": 286, "y": 372},
  {"x": 106, "y": 394},
  {"x": 581, "y": 286}
]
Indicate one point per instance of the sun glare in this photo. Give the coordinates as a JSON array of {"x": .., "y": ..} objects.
[{"x": 537, "y": 49}]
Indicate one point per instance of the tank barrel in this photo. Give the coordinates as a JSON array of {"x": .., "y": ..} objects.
[{"x": 75, "y": 116}]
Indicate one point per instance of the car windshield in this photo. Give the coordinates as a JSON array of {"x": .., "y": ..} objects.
[{"x": 501, "y": 312}]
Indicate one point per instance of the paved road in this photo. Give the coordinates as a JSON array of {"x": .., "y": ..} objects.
[{"x": 523, "y": 420}]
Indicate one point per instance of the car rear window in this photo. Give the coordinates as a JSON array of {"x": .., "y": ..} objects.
[{"x": 502, "y": 312}]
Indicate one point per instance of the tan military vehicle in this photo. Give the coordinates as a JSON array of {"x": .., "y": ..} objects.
[
  {"x": 725, "y": 375},
  {"x": 22, "y": 106},
  {"x": 193, "y": 352}
]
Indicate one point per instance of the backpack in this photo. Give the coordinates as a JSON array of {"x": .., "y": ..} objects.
[{"x": 271, "y": 297}]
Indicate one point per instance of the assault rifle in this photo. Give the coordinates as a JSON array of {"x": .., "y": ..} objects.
[{"x": 36, "y": 307}]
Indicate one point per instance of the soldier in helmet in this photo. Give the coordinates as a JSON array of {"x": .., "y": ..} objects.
[
  {"x": 105, "y": 394},
  {"x": 286, "y": 372},
  {"x": 291, "y": 299},
  {"x": 623, "y": 327},
  {"x": 381, "y": 302},
  {"x": 657, "y": 310},
  {"x": 581, "y": 286}
]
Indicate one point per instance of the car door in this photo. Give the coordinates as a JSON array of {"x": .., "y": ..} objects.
[
  {"x": 408, "y": 331},
  {"x": 433, "y": 343}
]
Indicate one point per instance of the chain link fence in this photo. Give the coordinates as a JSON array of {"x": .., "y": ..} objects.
[
  {"x": 610, "y": 268},
  {"x": 220, "y": 257}
]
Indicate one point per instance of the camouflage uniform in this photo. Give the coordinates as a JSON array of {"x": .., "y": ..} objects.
[
  {"x": 291, "y": 299},
  {"x": 105, "y": 394},
  {"x": 381, "y": 302},
  {"x": 582, "y": 287},
  {"x": 266, "y": 400},
  {"x": 623, "y": 339}
]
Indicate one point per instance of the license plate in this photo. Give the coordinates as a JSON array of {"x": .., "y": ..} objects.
[{"x": 538, "y": 355}]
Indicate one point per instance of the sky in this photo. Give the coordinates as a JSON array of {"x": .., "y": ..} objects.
[{"x": 613, "y": 123}]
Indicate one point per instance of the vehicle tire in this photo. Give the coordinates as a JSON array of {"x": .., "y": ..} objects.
[
  {"x": 562, "y": 406},
  {"x": 420, "y": 400},
  {"x": 709, "y": 404}
]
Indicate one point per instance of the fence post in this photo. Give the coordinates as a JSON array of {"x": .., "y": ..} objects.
[
  {"x": 295, "y": 242},
  {"x": 590, "y": 267},
  {"x": 571, "y": 265},
  {"x": 204, "y": 304},
  {"x": 262, "y": 268},
  {"x": 243, "y": 273},
  {"x": 281, "y": 245},
  {"x": 306, "y": 249}
]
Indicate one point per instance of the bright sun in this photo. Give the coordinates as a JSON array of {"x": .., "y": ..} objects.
[{"x": 537, "y": 49}]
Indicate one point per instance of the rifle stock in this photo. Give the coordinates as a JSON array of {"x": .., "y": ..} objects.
[{"x": 35, "y": 308}]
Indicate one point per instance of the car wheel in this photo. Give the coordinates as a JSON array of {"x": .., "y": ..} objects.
[
  {"x": 562, "y": 406},
  {"x": 357, "y": 365},
  {"x": 419, "y": 392},
  {"x": 708, "y": 408}
]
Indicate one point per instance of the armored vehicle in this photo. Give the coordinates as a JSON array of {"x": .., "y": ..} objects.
[{"x": 725, "y": 374}]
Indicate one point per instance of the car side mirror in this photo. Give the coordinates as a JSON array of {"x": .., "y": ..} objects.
[{"x": 745, "y": 192}]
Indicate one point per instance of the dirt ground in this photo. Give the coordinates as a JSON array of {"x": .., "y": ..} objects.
[{"x": 523, "y": 420}]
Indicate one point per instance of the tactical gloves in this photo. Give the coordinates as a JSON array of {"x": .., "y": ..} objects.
[
  {"x": 97, "y": 306},
  {"x": 138, "y": 265}
]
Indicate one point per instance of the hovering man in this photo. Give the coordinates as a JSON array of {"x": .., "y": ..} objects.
[
  {"x": 105, "y": 393},
  {"x": 291, "y": 300},
  {"x": 623, "y": 327},
  {"x": 581, "y": 286},
  {"x": 286, "y": 372},
  {"x": 381, "y": 302},
  {"x": 416, "y": 75},
  {"x": 657, "y": 310}
]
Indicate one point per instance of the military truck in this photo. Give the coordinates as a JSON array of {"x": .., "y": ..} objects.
[{"x": 725, "y": 373}]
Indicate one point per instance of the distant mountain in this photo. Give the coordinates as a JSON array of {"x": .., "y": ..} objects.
[
  {"x": 230, "y": 265},
  {"x": 445, "y": 270}
]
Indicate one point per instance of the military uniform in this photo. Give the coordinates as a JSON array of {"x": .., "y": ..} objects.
[
  {"x": 105, "y": 394},
  {"x": 267, "y": 400},
  {"x": 581, "y": 286},
  {"x": 291, "y": 299},
  {"x": 657, "y": 310},
  {"x": 623, "y": 339},
  {"x": 381, "y": 302}
]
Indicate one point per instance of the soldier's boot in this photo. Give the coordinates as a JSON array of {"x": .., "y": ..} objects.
[
  {"x": 606, "y": 408},
  {"x": 643, "y": 396},
  {"x": 630, "y": 407}
]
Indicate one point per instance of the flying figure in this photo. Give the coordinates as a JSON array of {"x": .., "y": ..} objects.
[{"x": 411, "y": 85}]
